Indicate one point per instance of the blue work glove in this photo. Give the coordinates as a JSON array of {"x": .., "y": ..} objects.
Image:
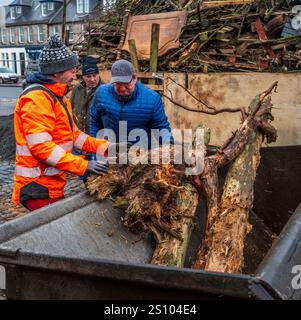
[{"x": 97, "y": 167}]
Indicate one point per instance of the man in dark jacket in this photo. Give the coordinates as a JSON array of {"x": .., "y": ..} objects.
[
  {"x": 128, "y": 101},
  {"x": 83, "y": 93}
]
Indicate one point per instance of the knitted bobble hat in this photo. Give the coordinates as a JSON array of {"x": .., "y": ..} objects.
[{"x": 57, "y": 57}]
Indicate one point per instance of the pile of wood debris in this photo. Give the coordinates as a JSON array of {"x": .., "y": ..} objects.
[
  {"x": 163, "y": 198},
  {"x": 218, "y": 35}
]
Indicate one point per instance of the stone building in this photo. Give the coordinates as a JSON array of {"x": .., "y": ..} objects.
[{"x": 29, "y": 23}]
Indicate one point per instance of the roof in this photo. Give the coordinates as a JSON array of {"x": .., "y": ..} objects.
[
  {"x": 31, "y": 14},
  {"x": 72, "y": 15},
  {"x": 26, "y": 3}
]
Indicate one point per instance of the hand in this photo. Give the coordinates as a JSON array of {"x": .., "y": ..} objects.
[{"x": 97, "y": 167}]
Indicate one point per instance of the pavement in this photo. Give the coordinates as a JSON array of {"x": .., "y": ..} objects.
[{"x": 9, "y": 94}]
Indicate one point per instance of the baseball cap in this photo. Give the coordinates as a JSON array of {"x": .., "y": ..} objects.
[{"x": 122, "y": 71}]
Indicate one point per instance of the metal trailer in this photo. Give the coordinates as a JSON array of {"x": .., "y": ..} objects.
[{"x": 78, "y": 249}]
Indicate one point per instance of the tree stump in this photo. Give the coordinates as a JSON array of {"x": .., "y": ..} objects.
[{"x": 227, "y": 227}]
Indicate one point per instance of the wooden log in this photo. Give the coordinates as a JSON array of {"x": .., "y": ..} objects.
[
  {"x": 227, "y": 224},
  {"x": 154, "y": 50},
  {"x": 133, "y": 53},
  {"x": 231, "y": 225},
  {"x": 171, "y": 250}
]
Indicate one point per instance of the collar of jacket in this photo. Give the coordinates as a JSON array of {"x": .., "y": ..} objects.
[
  {"x": 59, "y": 89},
  {"x": 83, "y": 85}
]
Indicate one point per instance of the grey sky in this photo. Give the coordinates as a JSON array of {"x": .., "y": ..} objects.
[
  {"x": 5, "y": 2},
  {"x": 2, "y": 16}
]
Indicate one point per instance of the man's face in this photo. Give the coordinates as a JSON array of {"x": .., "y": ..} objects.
[
  {"x": 125, "y": 89},
  {"x": 66, "y": 76},
  {"x": 91, "y": 80}
]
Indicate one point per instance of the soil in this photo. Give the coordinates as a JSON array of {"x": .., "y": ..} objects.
[{"x": 7, "y": 144}]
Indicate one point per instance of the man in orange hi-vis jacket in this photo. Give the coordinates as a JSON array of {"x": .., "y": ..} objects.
[{"x": 45, "y": 132}]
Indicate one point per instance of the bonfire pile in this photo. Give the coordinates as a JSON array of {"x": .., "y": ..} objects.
[{"x": 254, "y": 36}]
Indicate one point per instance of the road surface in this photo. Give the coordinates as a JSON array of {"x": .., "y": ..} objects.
[{"x": 8, "y": 97}]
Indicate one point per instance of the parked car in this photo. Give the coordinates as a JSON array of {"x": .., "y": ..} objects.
[{"x": 7, "y": 75}]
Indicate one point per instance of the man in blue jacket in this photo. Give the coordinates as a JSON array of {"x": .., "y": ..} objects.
[{"x": 126, "y": 99}]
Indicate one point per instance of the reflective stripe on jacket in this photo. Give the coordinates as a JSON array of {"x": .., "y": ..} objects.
[{"x": 45, "y": 135}]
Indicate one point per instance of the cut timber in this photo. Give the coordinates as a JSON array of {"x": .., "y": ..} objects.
[
  {"x": 133, "y": 53},
  {"x": 231, "y": 226},
  {"x": 212, "y": 4},
  {"x": 224, "y": 33},
  {"x": 227, "y": 224},
  {"x": 154, "y": 50},
  {"x": 186, "y": 55}
]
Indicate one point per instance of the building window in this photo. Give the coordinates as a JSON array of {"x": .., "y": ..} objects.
[
  {"x": 3, "y": 36},
  {"x": 44, "y": 9},
  {"x": 30, "y": 33},
  {"x": 56, "y": 29},
  {"x": 13, "y": 13},
  {"x": 21, "y": 35},
  {"x": 71, "y": 34},
  {"x": 87, "y": 6},
  {"x": 40, "y": 34},
  {"x": 83, "y": 6},
  {"x": 12, "y": 35},
  {"x": 19, "y": 10},
  {"x": 4, "y": 60},
  {"x": 50, "y": 6},
  {"x": 80, "y": 6}
]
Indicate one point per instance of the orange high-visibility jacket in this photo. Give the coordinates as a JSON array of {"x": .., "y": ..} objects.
[{"x": 44, "y": 141}]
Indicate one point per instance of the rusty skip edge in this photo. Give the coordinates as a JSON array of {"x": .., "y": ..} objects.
[
  {"x": 235, "y": 285},
  {"x": 277, "y": 268},
  {"x": 271, "y": 281}
]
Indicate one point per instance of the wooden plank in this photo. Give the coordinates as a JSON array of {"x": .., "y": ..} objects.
[
  {"x": 176, "y": 116},
  {"x": 156, "y": 87},
  {"x": 212, "y": 4},
  {"x": 133, "y": 52},
  {"x": 154, "y": 50},
  {"x": 233, "y": 90},
  {"x": 262, "y": 36},
  {"x": 139, "y": 28}
]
